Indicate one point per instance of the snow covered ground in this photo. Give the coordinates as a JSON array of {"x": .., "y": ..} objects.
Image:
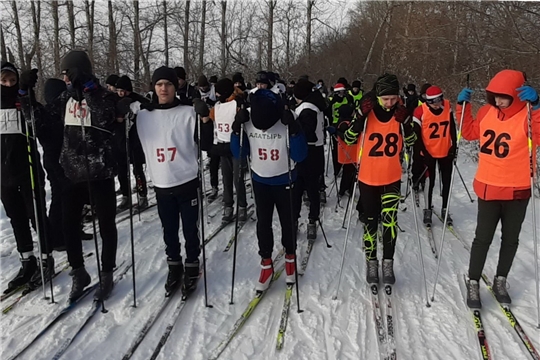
[{"x": 327, "y": 329}]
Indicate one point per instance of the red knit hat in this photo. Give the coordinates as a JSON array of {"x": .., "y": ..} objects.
[
  {"x": 339, "y": 87},
  {"x": 434, "y": 94}
]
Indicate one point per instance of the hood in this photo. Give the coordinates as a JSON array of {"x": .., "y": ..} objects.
[
  {"x": 266, "y": 109},
  {"x": 506, "y": 82},
  {"x": 316, "y": 98},
  {"x": 53, "y": 89}
]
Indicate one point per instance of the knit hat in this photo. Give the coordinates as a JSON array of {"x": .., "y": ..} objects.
[
  {"x": 262, "y": 78},
  {"x": 165, "y": 73},
  {"x": 339, "y": 87},
  {"x": 387, "y": 84},
  {"x": 266, "y": 109},
  {"x": 302, "y": 89},
  {"x": 213, "y": 79},
  {"x": 238, "y": 78},
  {"x": 434, "y": 94},
  {"x": 10, "y": 92},
  {"x": 343, "y": 81},
  {"x": 224, "y": 87},
  {"x": 180, "y": 72},
  {"x": 411, "y": 87},
  {"x": 76, "y": 59},
  {"x": 424, "y": 88},
  {"x": 356, "y": 84},
  {"x": 124, "y": 83},
  {"x": 203, "y": 81},
  {"x": 112, "y": 79},
  {"x": 53, "y": 88},
  {"x": 292, "y": 82}
]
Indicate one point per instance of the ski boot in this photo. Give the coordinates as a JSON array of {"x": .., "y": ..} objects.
[
  {"x": 175, "y": 276},
  {"x": 48, "y": 271},
  {"x": 213, "y": 194},
  {"x": 290, "y": 268},
  {"x": 427, "y": 217},
  {"x": 449, "y": 221},
  {"x": 473, "y": 295},
  {"x": 143, "y": 203},
  {"x": 27, "y": 270},
  {"x": 242, "y": 214},
  {"x": 104, "y": 290},
  {"x": 388, "y": 272},
  {"x": 228, "y": 214},
  {"x": 191, "y": 276},
  {"x": 267, "y": 272},
  {"x": 123, "y": 204},
  {"x": 312, "y": 230},
  {"x": 372, "y": 273},
  {"x": 80, "y": 280},
  {"x": 500, "y": 290}
]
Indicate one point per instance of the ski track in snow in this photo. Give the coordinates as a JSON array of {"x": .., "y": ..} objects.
[{"x": 327, "y": 329}]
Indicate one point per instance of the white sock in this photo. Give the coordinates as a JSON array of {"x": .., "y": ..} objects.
[{"x": 26, "y": 255}]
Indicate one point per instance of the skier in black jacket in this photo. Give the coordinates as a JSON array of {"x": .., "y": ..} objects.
[
  {"x": 16, "y": 185},
  {"x": 85, "y": 108}
]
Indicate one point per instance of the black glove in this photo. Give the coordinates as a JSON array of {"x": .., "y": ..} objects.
[
  {"x": 242, "y": 116},
  {"x": 288, "y": 119},
  {"x": 122, "y": 107},
  {"x": 79, "y": 79},
  {"x": 452, "y": 152},
  {"x": 366, "y": 105},
  {"x": 402, "y": 114},
  {"x": 28, "y": 79},
  {"x": 201, "y": 108}
]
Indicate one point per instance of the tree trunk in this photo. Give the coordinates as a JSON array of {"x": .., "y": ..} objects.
[
  {"x": 56, "y": 36},
  {"x": 166, "y": 33},
  {"x": 36, "y": 20},
  {"x": 269, "y": 50},
  {"x": 385, "y": 43},
  {"x": 223, "y": 37},
  {"x": 89, "y": 9},
  {"x": 3, "y": 45},
  {"x": 112, "y": 59},
  {"x": 370, "y": 53},
  {"x": 201, "y": 45},
  {"x": 19, "y": 36},
  {"x": 310, "y": 4},
  {"x": 260, "y": 54},
  {"x": 71, "y": 18},
  {"x": 186, "y": 38},
  {"x": 136, "y": 45}
]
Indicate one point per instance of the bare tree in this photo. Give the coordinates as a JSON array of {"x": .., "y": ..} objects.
[
  {"x": 223, "y": 38},
  {"x": 56, "y": 36},
  {"x": 89, "y": 9},
  {"x": 136, "y": 41},
  {"x": 19, "y": 36},
  {"x": 36, "y": 20},
  {"x": 165, "y": 33},
  {"x": 201, "y": 42},
  {"x": 3, "y": 44},
  {"x": 309, "y": 11},
  {"x": 71, "y": 19},
  {"x": 270, "y": 49},
  {"x": 186, "y": 38},
  {"x": 112, "y": 59}
]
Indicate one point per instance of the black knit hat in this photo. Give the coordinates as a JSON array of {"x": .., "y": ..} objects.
[
  {"x": 53, "y": 88},
  {"x": 387, "y": 84},
  {"x": 238, "y": 78},
  {"x": 266, "y": 109},
  {"x": 411, "y": 87},
  {"x": 343, "y": 81},
  {"x": 213, "y": 79},
  {"x": 124, "y": 83},
  {"x": 180, "y": 72},
  {"x": 224, "y": 87},
  {"x": 7, "y": 66},
  {"x": 203, "y": 81},
  {"x": 76, "y": 59},
  {"x": 165, "y": 73},
  {"x": 262, "y": 78},
  {"x": 302, "y": 89},
  {"x": 356, "y": 84},
  {"x": 112, "y": 79}
]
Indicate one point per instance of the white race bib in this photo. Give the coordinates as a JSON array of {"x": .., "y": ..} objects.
[
  {"x": 77, "y": 113},
  {"x": 10, "y": 122}
]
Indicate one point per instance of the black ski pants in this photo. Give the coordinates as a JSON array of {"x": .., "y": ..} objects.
[
  {"x": 137, "y": 159},
  {"x": 380, "y": 201},
  {"x": 445, "y": 168},
  {"x": 173, "y": 205},
  {"x": 511, "y": 213},
  {"x": 335, "y": 162},
  {"x": 418, "y": 178},
  {"x": 214, "y": 169},
  {"x": 230, "y": 169},
  {"x": 266, "y": 198},
  {"x": 309, "y": 172},
  {"x": 104, "y": 201}
]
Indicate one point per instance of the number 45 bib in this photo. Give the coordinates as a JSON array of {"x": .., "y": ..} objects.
[{"x": 77, "y": 113}]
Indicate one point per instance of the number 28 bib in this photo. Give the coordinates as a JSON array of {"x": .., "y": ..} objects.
[{"x": 380, "y": 163}]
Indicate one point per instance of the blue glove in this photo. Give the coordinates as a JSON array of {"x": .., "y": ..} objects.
[
  {"x": 464, "y": 95},
  {"x": 527, "y": 93},
  {"x": 331, "y": 130}
]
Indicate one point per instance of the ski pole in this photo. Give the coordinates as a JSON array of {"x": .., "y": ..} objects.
[
  {"x": 91, "y": 199},
  {"x": 33, "y": 178},
  {"x": 419, "y": 245},
  {"x": 203, "y": 183},
  {"x": 293, "y": 228},
  {"x": 127, "y": 120},
  {"x": 463, "y": 182},
  {"x": 328, "y": 156},
  {"x": 449, "y": 196},
  {"x": 324, "y": 235},
  {"x": 240, "y": 175},
  {"x": 415, "y": 184},
  {"x": 358, "y": 162}
]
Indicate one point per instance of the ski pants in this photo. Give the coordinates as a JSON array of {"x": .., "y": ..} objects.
[
  {"x": 380, "y": 201},
  {"x": 347, "y": 179},
  {"x": 173, "y": 204},
  {"x": 309, "y": 172},
  {"x": 214, "y": 169},
  {"x": 55, "y": 212},
  {"x": 104, "y": 201},
  {"x": 266, "y": 198},
  {"x": 445, "y": 167},
  {"x": 230, "y": 170},
  {"x": 137, "y": 159},
  {"x": 19, "y": 206},
  {"x": 335, "y": 162},
  {"x": 511, "y": 213}
]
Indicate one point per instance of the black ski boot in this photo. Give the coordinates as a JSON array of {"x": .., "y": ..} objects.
[
  {"x": 123, "y": 204},
  {"x": 427, "y": 217},
  {"x": 473, "y": 295},
  {"x": 312, "y": 230},
  {"x": 388, "y": 272},
  {"x": 449, "y": 221},
  {"x": 322, "y": 197},
  {"x": 175, "y": 276},
  {"x": 191, "y": 276},
  {"x": 80, "y": 280},
  {"x": 86, "y": 236},
  {"x": 242, "y": 214},
  {"x": 27, "y": 270},
  {"x": 213, "y": 193},
  {"x": 372, "y": 271},
  {"x": 500, "y": 290},
  {"x": 228, "y": 214},
  {"x": 104, "y": 290},
  {"x": 48, "y": 272},
  {"x": 143, "y": 203}
]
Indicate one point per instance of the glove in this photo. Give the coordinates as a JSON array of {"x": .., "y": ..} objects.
[
  {"x": 28, "y": 80},
  {"x": 410, "y": 139},
  {"x": 527, "y": 93},
  {"x": 402, "y": 115},
  {"x": 452, "y": 152},
  {"x": 287, "y": 118},
  {"x": 81, "y": 80},
  {"x": 464, "y": 95},
  {"x": 331, "y": 130},
  {"x": 366, "y": 105},
  {"x": 201, "y": 108},
  {"x": 242, "y": 116},
  {"x": 122, "y": 107}
]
